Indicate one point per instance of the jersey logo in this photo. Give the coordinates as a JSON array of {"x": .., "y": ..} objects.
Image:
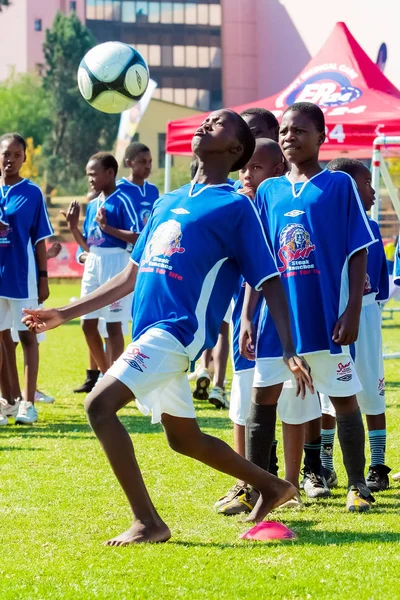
[
  {"x": 381, "y": 387},
  {"x": 295, "y": 247},
  {"x": 5, "y": 229},
  {"x": 116, "y": 306},
  {"x": 344, "y": 372},
  {"x": 367, "y": 285},
  {"x": 294, "y": 213},
  {"x": 145, "y": 214},
  {"x": 95, "y": 237},
  {"x": 180, "y": 211},
  {"x": 165, "y": 241},
  {"x": 144, "y": 203},
  {"x": 135, "y": 358}
]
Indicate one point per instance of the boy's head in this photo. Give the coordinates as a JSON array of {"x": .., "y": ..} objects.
[
  {"x": 302, "y": 132},
  {"x": 138, "y": 159},
  {"x": 262, "y": 123},
  {"x": 224, "y": 134},
  {"x": 267, "y": 161},
  {"x": 12, "y": 154},
  {"x": 101, "y": 171},
  {"x": 361, "y": 175}
]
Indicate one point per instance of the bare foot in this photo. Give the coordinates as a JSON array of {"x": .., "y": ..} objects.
[
  {"x": 139, "y": 533},
  {"x": 271, "y": 498}
]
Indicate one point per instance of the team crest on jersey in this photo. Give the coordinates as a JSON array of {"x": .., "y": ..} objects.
[
  {"x": 295, "y": 247},
  {"x": 95, "y": 237},
  {"x": 367, "y": 285},
  {"x": 344, "y": 372},
  {"x": 294, "y": 213},
  {"x": 165, "y": 241},
  {"x": 381, "y": 387},
  {"x": 5, "y": 230},
  {"x": 180, "y": 211},
  {"x": 144, "y": 215}
]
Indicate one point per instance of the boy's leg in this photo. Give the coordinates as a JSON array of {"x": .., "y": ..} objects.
[
  {"x": 95, "y": 343},
  {"x": 101, "y": 406},
  {"x": 115, "y": 339},
  {"x": 260, "y": 425},
  {"x": 30, "y": 349},
  {"x": 377, "y": 478},
  {"x": 9, "y": 373},
  {"x": 239, "y": 439},
  {"x": 217, "y": 395},
  {"x": 293, "y": 442}
]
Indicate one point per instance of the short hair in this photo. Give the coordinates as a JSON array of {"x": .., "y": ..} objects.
[
  {"x": 134, "y": 149},
  {"x": 246, "y": 138},
  {"x": 106, "y": 160},
  {"x": 351, "y": 166},
  {"x": 313, "y": 112},
  {"x": 268, "y": 117},
  {"x": 14, "y": 136}
]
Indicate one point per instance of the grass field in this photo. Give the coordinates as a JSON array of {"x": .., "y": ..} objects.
[{"x": 59, "y": 501}]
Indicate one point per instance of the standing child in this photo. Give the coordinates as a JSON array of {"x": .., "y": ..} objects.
[
  {"x": 323, "y": 270},
  {"x": 186, "y": 262},
  {"x": 23, "y": 262},
  {"x": 368, "y": 347}
]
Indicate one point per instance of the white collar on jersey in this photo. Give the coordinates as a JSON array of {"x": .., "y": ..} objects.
[
  {"x": 298, "y": 193},
  {"x": 141, "y": 190},
  {"x": 208, "y": 185},
  {"x": 4, "y": 195}
]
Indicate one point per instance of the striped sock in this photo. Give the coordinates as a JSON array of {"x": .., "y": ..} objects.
[
  {"x": 327, "y": 441},
  {"x": 377, "y": 443}
]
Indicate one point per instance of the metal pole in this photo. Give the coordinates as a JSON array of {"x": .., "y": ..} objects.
[{"x": 167, "y": 175}]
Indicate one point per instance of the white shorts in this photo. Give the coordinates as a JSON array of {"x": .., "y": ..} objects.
[
  {"x": 102, "y": 328},
  {"x": 11, "y": 312},
  {"x": 15, "y": 336},
  {"x": 101, "y": 265},
  {"x": 291, "y": 408},
  {"x": 228, "y": 314},
  {"x": 155, "y": 369},
  {"x": 369, "y": 364},
  {"x": 334, "y": 375}
]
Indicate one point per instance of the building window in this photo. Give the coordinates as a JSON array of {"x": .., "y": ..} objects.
[
  {"x": 179, "y": 13},
  {"x": 142, "y": 12},
  {"x": 167, "y": 94},
  {"x": 190, "y": 13},
  {"x": 91, "y": 9},
  {"x": 180, "y": 96},
  {"x": 191, "y": 56},
  {"x": 179, "y": 56},
  {"x": 204, "y": 57},
  {"x": 166, "y": 12},
  {"x": 38, "y": 25},
  {"x": 154, "y": 12},
  {"x": 154, "y": 56},
  {"x": 128, "y": 12},
  {"x": 161, "y": 150},
  {"x": 202, "y": 14},
  {"x": 143, "y": 49},
  {"x": 166, "y": 56},
  {"x": 72, "y": 6},
  {"x": 215, "y": 15},
  {"x": 215, "y": 58}
]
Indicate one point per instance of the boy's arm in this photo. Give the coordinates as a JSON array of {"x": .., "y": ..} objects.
[
  {"x": 346, "y": 328},
  {"x": 125, "y": 235},
  {"x": 247, "y": 338},
  {"x": 41, "y": 262},
  {"x": 116, "y": 288},
  {"x": 72, "y": 218}
]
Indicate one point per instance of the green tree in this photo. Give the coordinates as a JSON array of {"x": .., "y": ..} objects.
[
  {"x": 24, "y": 107},
  {"x": 77, "y": 129}
]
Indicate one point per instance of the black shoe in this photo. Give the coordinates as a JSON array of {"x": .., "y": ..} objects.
[
  {"x": 273, "y": 461},
  {"x": 314, "y": 484},
  {"x": 377, "y": 479},
  {"x": 330, "y": 477},
  {"x": 92, "y": 376}
]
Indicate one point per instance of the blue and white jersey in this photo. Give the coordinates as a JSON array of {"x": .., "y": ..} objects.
[
  {"x": 377, "y": 278},
  {"x": 119, "y": 214},
  {"x": 190, "y": 257},
  {"x": 24, "y": 210},
  {"x": 240, "y": 363},
  {"x": 396, "y": 270},
  {"x": 237, "y": 185},
  {"x": 314, "y": 228},
  {"x": 142, "y": 199}
]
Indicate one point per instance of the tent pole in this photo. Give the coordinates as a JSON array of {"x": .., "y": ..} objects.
[
  {"x": 167, "y": 175},
  {"x": 375, "y": 175},
  {"x": 390, "y": 188}
]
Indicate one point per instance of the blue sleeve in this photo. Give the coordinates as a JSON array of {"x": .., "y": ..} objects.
[
  {"x": 127, "y": 216},
  {"x": 237, "y": 185},
  {"x": 141, "y": 243},
  {"x": 41, "y": 227},
  {"x": 359, "y": 232},
  {"x": 396, "y": 270},
  {"x": 251, "y": 248},
  {"x": 85, "y": 228},
  {"x": 383, "y": 293}
]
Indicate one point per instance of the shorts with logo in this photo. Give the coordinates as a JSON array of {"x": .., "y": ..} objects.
[
  {"x": 369, "y": 364},
  {"x": 102, "y": 328},
  {"x": 155, "y": 369},
  {"x": 101, "y": 265},
  {"x": 11, "y": 312},
  {"x": 333, "y": 374},
  {"x": 291, "y": 408}
]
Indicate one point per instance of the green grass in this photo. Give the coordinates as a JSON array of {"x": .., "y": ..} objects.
[{"x": 59, "y": 501}]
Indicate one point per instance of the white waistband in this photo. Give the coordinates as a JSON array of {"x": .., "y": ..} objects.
[
  {"x": 99, "y": 250},
  {"x": 369, "y": 299}
]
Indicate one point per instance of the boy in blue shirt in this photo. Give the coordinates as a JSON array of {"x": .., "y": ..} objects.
[
  {"x": 23, "y": 261},
  {"x": 186, "y": 266},
  {"x": 368, "y": 347},
  {"x": 317, "y": 226}
]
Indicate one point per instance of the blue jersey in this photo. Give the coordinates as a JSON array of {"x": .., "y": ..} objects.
[
  {"x": 24, "y": 209},
  {"x": 240, "y": 363},
  {"x": 197, "y": 243},
  {"x": 119, "y": 214},
  {"x": 237, "y": 185},
  {"x": 396, "y": 270},
  {"x": 142, "y": 199},
  {"x": 314, "y": 228},
  {"x": 377, "y": 279}
]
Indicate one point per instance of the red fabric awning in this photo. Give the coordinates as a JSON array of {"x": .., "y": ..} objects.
[{"x": 359, "y": 102}]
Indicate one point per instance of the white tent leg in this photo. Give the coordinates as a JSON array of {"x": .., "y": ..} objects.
[
  {"x": 167, "y": 175},
  {"x": 375, "y": 176},
  {"x": 390, "y": 188}
]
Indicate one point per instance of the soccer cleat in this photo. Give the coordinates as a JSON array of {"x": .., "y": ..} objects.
[
  {"x": 42, "y": 397},
  {"x": 3, "y": 416},
  {"x": 92, "y": 376},
  {"x": 296, "y": 502},
  {"x": 359, "y": 499},
  {"x": 244, "y": 503},
  {"x": 7, "y": 409},
  {"x": 218, "y": 398},
  {"x": 396, "y": 477},
  {"x": 202, "y": 385},
  {"x": 377, "y": 479},
  {"x": 330, "y": 477},
  {"x": 27, "y": 413},
  {"x": 314, "y": 485},
  {"x": 234, "y": 491}
]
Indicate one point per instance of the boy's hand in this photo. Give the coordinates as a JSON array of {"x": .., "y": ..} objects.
[
  {"x": 302, "y": 374},
  {"x": 346, "y": 328},
  {"x": 247, "y": 340},
  {"x": 247, "y": 191},
  {"x": 101, "y": 218},
  {"x": 54, "y": 250},
  {"x": 43, "y": 289},
  {"x": 72, "y": 214},
  {"x": 42, "y": 319}
]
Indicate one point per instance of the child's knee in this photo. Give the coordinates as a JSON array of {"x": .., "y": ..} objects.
[
  {"x": 95, "y": 405},
  {"x": 28, "y": 339},
  {"x": 89, "y": 326}
]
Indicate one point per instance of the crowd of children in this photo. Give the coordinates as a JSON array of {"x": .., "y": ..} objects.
[{"x": 289, "y": 246}]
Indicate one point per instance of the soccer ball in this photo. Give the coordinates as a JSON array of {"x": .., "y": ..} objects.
[{"x": 112, "y": 77}]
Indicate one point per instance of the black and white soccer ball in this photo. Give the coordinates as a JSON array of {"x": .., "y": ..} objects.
[{"x": 112, "y": 77}]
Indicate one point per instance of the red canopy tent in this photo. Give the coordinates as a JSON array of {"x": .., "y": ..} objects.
[{"x": 359, "y": 102}]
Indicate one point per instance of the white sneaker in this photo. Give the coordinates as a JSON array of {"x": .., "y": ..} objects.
[
  {"x": 218, "y": 397},
  {"x": 9, "y": 410},
  {"x": 202, "y": 384},
  {"x": 42, "y": 397},
  {"x": 3, "y": 416},
  {"x": 396, "y": 476},
  {"x": 27, "y": 413}
]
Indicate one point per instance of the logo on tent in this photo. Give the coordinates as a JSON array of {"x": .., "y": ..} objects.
[{"x": 325, "y": 89}]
